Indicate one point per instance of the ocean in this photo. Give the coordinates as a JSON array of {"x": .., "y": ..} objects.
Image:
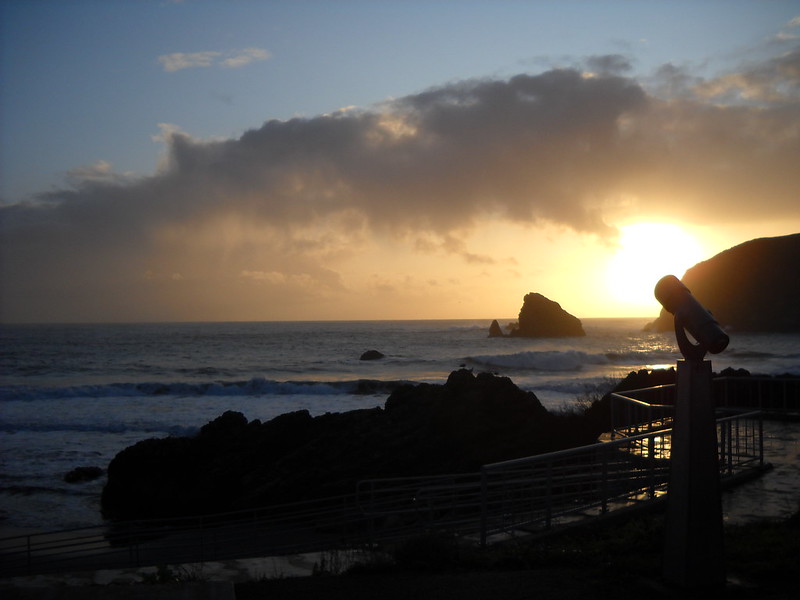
[{"x": 75, "y": 395}]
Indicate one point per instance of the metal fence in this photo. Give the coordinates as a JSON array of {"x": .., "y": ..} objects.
[
  {"x": 537, "y": 493},
  {"x": 326, "y": 523},
  {"x": 506, "y": 499},
  {"x": 649, "y": 409}
]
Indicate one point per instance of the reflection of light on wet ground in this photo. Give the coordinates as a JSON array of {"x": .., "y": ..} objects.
[{"x": 776, "y": 494}]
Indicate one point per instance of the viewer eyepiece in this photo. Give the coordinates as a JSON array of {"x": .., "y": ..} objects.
[{"x": 690, "y": 316}]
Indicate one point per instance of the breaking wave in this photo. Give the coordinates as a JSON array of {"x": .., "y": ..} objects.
[
  {"x": 252, "y": 387},
  {"x": 567, "y": 360}
]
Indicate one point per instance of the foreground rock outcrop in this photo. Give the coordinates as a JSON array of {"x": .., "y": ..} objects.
[
  {"x": 233, "y": 463},
  {"x": 542, "y": 317},
  {"x": 754, "y": 286}
]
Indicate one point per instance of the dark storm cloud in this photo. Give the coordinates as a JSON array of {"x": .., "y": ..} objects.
[
  {"x": 562, "y": 147},
  {"x": 533, "y": 147}
]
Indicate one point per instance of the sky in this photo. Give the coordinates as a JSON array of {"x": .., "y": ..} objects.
[{"x": 299, "y": 160}]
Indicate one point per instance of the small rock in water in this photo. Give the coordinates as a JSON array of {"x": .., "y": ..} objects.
[
  {"x": 371, "y": 355},
  {"x": 495, "y": 330},
  {"x": 81, "y": 474}
]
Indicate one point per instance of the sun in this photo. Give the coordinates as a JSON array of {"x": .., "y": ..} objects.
[{"x": 646, "y": 252}]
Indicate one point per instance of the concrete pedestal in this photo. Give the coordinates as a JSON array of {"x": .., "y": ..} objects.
[{"x": 693, "y": 551}]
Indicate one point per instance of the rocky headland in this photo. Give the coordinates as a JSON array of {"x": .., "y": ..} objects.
[{"x": 754, "y": 286}]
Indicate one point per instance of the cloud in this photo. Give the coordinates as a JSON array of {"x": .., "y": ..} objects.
[
  {"x": 284, "y": 206},
  {"x": 187, "y": 60},
  {"x": 245, "y": 57},
  {"x": 776, "y": 80},
  {"x": 787, "y": 35},
  {"x": 611, "y": 64},
  {"x": 99, "y": 172},
  {"x": 231, "y": 60}
]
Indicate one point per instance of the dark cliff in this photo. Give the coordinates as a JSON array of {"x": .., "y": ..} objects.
[{"x": 754, "y": 286}]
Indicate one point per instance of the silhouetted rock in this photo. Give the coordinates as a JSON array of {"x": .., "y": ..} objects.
[
  {"x": 754, "y": 286},
  {"x": 371, "y": 355},
  {"x": 82, "y": 474},
  {"x": 541, "y": 317},
  {"x": 424, "y": 429},
  {"x": 731, "y": 372},
  {"x": 495, "y": 330}
]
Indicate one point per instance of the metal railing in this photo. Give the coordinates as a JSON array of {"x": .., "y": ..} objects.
[
  {"x": 537, "y": 493},
  {"x": 320, "y": 524},
  {"x": 649, "y": 409},
  {"x": 642, "y": 411},
  {"x": 511, "y": 498},
  {"x": 768, "y": 394},
  {"x": 534, "y": 494}
]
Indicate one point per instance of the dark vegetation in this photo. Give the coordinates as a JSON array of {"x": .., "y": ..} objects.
[{"x": 613, "y": 559}]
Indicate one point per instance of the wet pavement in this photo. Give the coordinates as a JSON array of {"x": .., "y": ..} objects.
[{"x": 776, "y": 493}]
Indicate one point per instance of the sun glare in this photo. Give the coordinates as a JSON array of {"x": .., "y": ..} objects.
[{"x": 647, "y": 252}]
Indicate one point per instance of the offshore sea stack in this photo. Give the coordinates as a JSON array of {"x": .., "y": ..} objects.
[
  {"x": 754, "y": 286},
  {"x": 541, "y": 317},
  {"x": 424, "y": 429}
]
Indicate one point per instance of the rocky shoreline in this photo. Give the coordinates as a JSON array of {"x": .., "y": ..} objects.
[
  {"x": 233, "y": 463},
  {"x": 424, "y": 429}
]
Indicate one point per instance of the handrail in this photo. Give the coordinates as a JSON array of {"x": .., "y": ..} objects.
[
  {"x": 631, "y": 413},
  {"x": 569, "y": 451},
  {"x": 726, "y": 397},
  {"x": 505, "y": 498},
  {"x": 620, "y": 472}
]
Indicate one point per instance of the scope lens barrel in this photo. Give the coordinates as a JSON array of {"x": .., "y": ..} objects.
[{"x": 703, "y": 327}]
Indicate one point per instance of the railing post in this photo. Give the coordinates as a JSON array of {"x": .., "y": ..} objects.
[
  {"x": 484, "y": 506},
  {"x": 604, "y": 483},
  {"x": 651, "y": 449},
  {"x": 202, "y": 540},
  {"x": 548, "y": 518},
  {"x": 613, "y": 418},
  {"x": 733, "y": 442}
]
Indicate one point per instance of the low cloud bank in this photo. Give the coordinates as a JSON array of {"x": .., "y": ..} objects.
[{"x": 290, "y": 198}]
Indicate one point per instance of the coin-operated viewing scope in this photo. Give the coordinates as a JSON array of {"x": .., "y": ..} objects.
[{"x": 692, "y": 317}]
